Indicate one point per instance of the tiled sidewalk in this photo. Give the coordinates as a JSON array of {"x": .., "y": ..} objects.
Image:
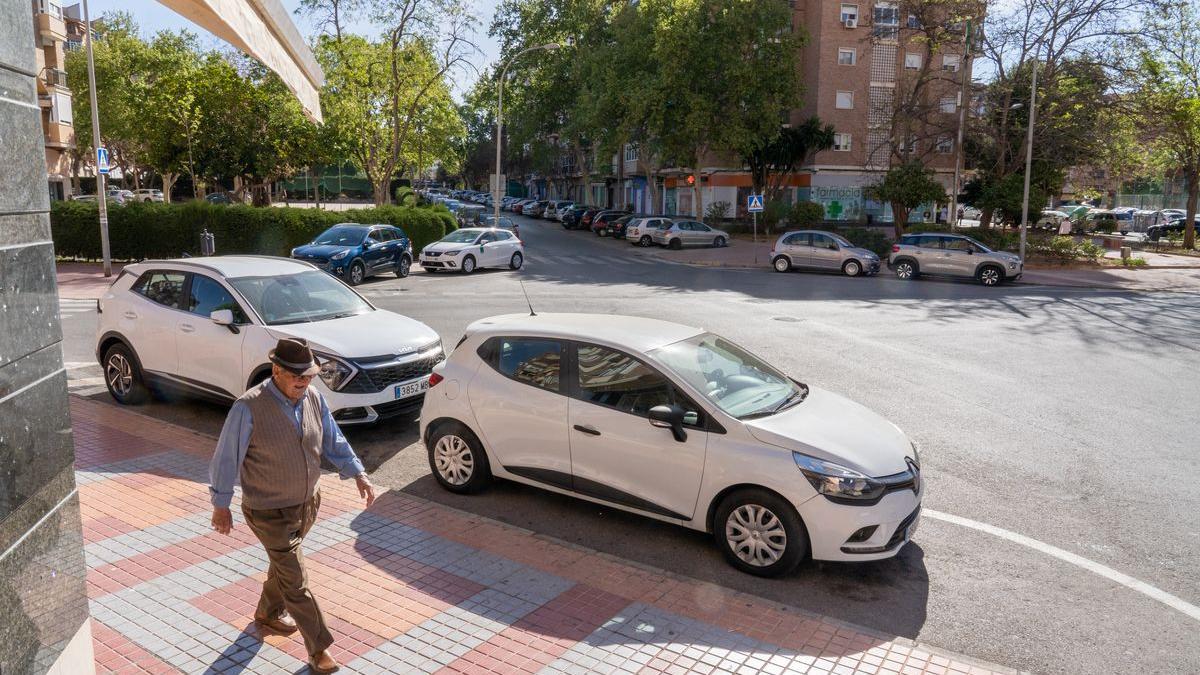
[{"x": 408, "y": 586}]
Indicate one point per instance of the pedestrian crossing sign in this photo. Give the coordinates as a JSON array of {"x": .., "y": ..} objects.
[{"x": 754, "y": 203}]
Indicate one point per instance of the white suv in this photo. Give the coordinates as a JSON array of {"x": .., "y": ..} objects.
[
  {"x": 677, "y": 424},
  {"x": 147, "y": 195},
  {"x": 204, "y": 327}
]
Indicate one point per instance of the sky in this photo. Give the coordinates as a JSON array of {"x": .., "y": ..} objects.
[{"x": 152, "y": 17}]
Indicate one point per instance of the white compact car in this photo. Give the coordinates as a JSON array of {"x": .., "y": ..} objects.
[
  {"x": 467, "y": 249},
  {"x": 677, "y": 424},
  {"x": 204, "y": 326}
]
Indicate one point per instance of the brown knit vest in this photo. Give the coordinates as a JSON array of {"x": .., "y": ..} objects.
[{"x": 282, "y": 465}]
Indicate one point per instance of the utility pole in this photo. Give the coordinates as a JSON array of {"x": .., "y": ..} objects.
[
  {"x": 497, "y": 188},
  {"x": 101, "y": 197},
  {"x": 1029, "y": 150},
  {"x": 963, "y": 99}
]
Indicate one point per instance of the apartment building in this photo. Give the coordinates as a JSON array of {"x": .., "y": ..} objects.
[{"x": 54, "y": 98}]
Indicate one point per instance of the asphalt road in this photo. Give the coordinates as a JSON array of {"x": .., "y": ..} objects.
[{"x": 1064, "y": 415}]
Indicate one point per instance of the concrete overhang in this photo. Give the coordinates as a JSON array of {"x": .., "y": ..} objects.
[{"x": 262, "y": 29}]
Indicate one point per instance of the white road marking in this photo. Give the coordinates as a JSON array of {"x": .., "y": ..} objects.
[
  {"x": 76, "y": 365},
  {"x": 1092, "y": 566}
]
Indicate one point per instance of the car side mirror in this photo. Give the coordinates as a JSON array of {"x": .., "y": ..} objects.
[
  {"x": 669, "y": 417},
  {"x": 222, "y": 317},
  {"x": 971, "y": 251}
]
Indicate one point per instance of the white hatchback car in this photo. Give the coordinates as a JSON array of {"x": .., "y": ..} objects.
[
  {"x": 677, "y": 424},
  {"x": 467, "y": 249},
  {"x": 204, "y": 326}
]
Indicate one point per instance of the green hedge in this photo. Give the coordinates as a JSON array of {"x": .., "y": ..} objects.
[{"x": 151, "y": 230}]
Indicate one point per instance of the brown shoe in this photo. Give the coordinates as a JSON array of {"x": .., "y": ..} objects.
[
  {"x": 281, "y": 624},
  {"x": 322, "y": 663}
]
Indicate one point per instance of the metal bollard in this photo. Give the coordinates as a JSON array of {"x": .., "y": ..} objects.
[
  {"x": 1126, "y": 252},
  {"x": 208, "y": 244}
]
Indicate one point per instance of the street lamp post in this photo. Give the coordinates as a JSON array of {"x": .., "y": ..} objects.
[
  {"x": 101, "y": 197},
  {"x": 1029, "y": 153},
  {"x": 500, "y": 122}
]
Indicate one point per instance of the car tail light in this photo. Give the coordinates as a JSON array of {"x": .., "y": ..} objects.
[
  {"x": 895, "y": 248},
  {"x": 435, "y": 378}
]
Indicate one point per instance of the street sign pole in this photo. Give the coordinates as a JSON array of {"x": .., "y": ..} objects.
[
  {"x": 754, "y": 217},
  {"x": 101, "y": 197},
  {"x": 754, "y": 204}
]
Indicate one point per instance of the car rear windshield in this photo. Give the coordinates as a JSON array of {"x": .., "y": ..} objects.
[
  {"x": 342, "y": 236},
  {"x": 299, "y": 298},
  {"x": 735, "y": 380}
]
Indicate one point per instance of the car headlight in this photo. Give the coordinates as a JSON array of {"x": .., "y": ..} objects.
[
  {"x": 334, "y": 372},
  {"x": 339, "y": 256},
  {"x": 451, "y": 252},
  {"x": 836, "y": 481}
]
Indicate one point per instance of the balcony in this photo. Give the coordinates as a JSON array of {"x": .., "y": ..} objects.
[
  {"x": 51, "y": 28},
  {"x": 58, "y": 135}
]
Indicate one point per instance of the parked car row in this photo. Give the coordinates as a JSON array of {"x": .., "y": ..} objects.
[
  {"x": 121, "y": 196},
  {"x": 666, "y": 421}
]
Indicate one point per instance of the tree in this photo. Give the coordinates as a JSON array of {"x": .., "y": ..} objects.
[
  {"x": 773, "y": 161},
  {"x": 1167, "y": 94},
  {"x": 906, "y": 186}
]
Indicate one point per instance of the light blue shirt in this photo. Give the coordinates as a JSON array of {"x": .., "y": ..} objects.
[{"x": 226, "y": 463}]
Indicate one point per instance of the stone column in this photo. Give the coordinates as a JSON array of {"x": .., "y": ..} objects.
[{"x": 43, "y": 600}]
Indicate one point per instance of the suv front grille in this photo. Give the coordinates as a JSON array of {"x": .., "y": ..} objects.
[{"x": 371, "y": 380}]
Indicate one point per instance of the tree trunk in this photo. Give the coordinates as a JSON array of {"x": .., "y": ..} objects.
[
  {"x": 985, "y": 218},
  {"x": 168, "y": 181},
  {"x": 316, "y": 187},
  {"x": 1189, "y": 228},
  {"x": 899, "y": 219},
  {"x": 381, "y": 189}
]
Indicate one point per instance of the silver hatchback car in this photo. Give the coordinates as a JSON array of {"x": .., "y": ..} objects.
[
  {"x": 819, "y": 250},
  {"x": 953, "y": 255},
  {"x": 683, "y": 233}
]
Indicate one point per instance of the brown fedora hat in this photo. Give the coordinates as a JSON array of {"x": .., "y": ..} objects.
[{"x": 293, "y": 355}]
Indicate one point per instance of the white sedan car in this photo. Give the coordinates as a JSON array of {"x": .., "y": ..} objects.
[
  {"x": 204, "y": 326},
  {"x": 676, "y": 424},
  {"x": 467, "y": 249}
]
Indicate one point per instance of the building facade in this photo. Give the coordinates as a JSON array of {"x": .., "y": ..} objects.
[{"x": 54, "y": 98}]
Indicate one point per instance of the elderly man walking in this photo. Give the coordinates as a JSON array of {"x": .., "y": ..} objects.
[{"x": 273, "y": 440}]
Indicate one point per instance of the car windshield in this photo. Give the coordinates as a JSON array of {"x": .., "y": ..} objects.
[
  {"x": 981, "y": 247},
  {"x": 735, "y": 380},
  {"x": 461, "y": 237},
  {"x": 299, "y": 298},
  {"x": 342, "y": 236},
  {"x": 503, "y": 222}
]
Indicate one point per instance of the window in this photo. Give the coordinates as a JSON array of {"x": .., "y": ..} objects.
[
  {"x": 948, "y": 104},
  {"x": 844, "y": 101},
  {"x": 534, "y": 362},
  {"x": 632, "y": 152},
  {"x": 207, "y": 296},
  {"x": 503, "y": 236},
  {"x": 911, "y": 146},
  {"x": 841, "y": 142},
  {"x": 914, "y": 22},
  {"x": 849, "y": 13},
  {"x": 611, "y": 378},
  {"x": 60, "y": 108},
  {"x": 824, "y": 241},
  {"x": 887, "y": 20},
  {"x": 945, "y": 145},
  {"x": 950, "y": 62},
  {"x": 847, "y": 56},
  {"x": 956, "y": 244},
  {"x": 383, "y": 234},
  {"x": 165, "y": 288},
  {"x": 299, "y": 298},
  {"x": 929, "y": 242},
  {"x": 799, "y": 239},
  {"x": 912, "y": 61}
]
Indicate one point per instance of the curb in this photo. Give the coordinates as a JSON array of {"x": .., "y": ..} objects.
[{"x": 907, "y": 642}]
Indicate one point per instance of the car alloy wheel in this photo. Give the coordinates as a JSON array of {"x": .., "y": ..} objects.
[
  {"x": 782, "y": 264},
  {"x": 468, "y": 264},
  {"x": 719, "y": 242},
  {"x": 404, "y": 267},
  {"x": 756, "y": 535},
  {"x": 517, "y": 261},
  {"x": 454, "y": 461},
  {"x": 905, "y": 271},
  {"x": 357, "y": 273},
  {"x": 676, "y": 244},
  {"x": 645, "y": 241},
  {"x": 123, "y": 377},
  {"x": 852, "y": 268},
  {"x": 990, "y": 276}
]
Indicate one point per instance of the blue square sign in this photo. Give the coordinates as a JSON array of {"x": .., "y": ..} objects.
[{"x": 754, "y": 203}]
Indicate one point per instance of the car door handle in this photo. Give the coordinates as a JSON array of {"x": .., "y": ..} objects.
[
  {"x": 591, "y": 431},
  {"x": 187, "y": 328},
  {"x": 130, "y": 315}
]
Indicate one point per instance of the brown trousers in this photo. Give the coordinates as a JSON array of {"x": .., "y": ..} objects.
[{"x": 281, "y": 532}]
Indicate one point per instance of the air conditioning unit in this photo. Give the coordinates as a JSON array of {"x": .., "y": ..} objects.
[{"x": 851, "y": 23}]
